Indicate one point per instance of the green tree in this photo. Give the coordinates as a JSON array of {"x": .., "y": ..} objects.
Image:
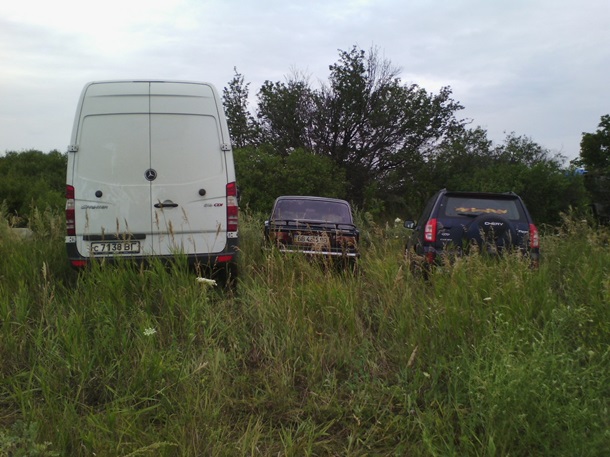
[
  {"x": 373, "y": 125},
  {"x": 257, "y": 170},
  {"x": 391, "y": 145},
  {"x": 31, "y": 179},
  {"x": 242, "y": 125},
  {"x": 285, "y": 112},
  {"x": 308, "y": 174},
  {"x": 595, "y": 158},
  {"x": 471, "y": 162},
  {"x": 264, "y": 175},
  {"x": 595, "y": 148},
  {"x": 365, "y": 120},
  {"x": 458, "y": 158}
]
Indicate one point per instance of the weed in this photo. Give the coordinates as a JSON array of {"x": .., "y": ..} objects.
[{"x": 486, "y": 358}]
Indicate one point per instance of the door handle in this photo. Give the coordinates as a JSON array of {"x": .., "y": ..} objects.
[{"x": 166, "y": 204}]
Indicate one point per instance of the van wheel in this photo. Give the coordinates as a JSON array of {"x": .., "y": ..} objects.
[{"x": 227, "y": 277}]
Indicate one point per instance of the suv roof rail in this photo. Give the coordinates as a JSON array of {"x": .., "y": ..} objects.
[{"x": 510, "y": 192}]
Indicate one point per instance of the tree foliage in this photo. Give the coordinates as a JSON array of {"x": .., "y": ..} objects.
[
  {"x": 264, "y": 175},
  {"x": 31, "y": 179},
  {"x": 242, "y": 126},
  {"x": 595, "y": 158},
  {"x": 285, "y": 112},
  {"x": 365, "y": 119},
  {"x": 469, "y": 161},
  {"x": 595, "y": 148},
  {"x": 393, "y": 144},
  {"x": 372, "y": 124}
]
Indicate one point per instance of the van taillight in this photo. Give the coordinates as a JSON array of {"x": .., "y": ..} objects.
[
  {"x": 70, "y": 221},
  {"x": 430, "y": 231},
  {"x": 534, "y": 237},
  {"x": 232, "y": 208}
]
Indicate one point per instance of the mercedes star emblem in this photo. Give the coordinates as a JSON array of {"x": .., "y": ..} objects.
[{"x": 150, "y": 174}]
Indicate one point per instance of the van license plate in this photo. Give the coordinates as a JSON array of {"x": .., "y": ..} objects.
[{"x": 115, "y": 247}]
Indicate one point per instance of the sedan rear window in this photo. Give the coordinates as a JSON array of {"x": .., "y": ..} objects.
[{"x": 312, "y": 210}]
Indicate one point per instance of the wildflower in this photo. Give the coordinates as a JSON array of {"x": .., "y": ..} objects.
[
  {"x": 45, "y": 271},
  {"x": 207, "y": 282},
  {"x": 149, "y": 331},
  {"x": 412, "y": 358},
  {"x": 397, "y": 222}
]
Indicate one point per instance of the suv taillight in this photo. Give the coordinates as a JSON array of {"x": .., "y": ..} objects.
[
  {"x": 430, "y": 231},
  {"x": 70, "y": 218},
  {"x": 232, "y": 208},
  {"x": 534, "y": 237}
]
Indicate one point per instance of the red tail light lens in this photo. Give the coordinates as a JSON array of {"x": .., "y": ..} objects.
[
  {"x": 430, "y": 231},
  {"x": 534, "y": 237},
  {"x": 70, "y": 217},
  {"x": 232, "y": 208}
]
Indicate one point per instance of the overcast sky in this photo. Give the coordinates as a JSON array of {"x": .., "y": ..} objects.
[{"x": 539, "y": 68}]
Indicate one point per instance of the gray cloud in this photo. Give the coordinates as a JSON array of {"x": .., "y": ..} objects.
[{"x": 537, "y": 67}]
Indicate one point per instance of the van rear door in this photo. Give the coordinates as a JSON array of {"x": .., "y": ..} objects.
[
  {"x": 189, "y": 193},
  {"x": 150, "y": 171},
  {"x": 112, "y": 196}
]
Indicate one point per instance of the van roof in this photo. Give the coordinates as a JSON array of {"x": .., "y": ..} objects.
[{"x": 146, "y": 81}]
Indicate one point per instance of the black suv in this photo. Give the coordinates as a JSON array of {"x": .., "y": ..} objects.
[
  {"x": 316, "y": 226},
  {"x": 455, "y": 223}
]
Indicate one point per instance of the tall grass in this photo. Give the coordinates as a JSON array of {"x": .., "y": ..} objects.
[{"x": 487, "y": 358}]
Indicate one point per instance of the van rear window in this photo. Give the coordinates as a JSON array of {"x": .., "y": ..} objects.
[
  {"x": 119, "y": 148},
  {"x": 186, "y": 142},
  {"x": 112, "y": 147}
]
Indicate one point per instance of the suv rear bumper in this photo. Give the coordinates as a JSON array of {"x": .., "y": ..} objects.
[{"x": 434, "y": 256}]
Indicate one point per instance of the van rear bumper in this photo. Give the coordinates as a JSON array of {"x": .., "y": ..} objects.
[{"x": 224, "y": 260}]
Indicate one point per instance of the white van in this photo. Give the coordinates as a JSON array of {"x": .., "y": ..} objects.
[{"x": 151, "y": 174}]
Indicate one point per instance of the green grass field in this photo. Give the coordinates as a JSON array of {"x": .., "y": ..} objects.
[{"x": 488, "y": 358}]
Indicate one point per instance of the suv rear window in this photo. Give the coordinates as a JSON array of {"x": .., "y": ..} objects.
[{"x": 456, "y": 206}]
